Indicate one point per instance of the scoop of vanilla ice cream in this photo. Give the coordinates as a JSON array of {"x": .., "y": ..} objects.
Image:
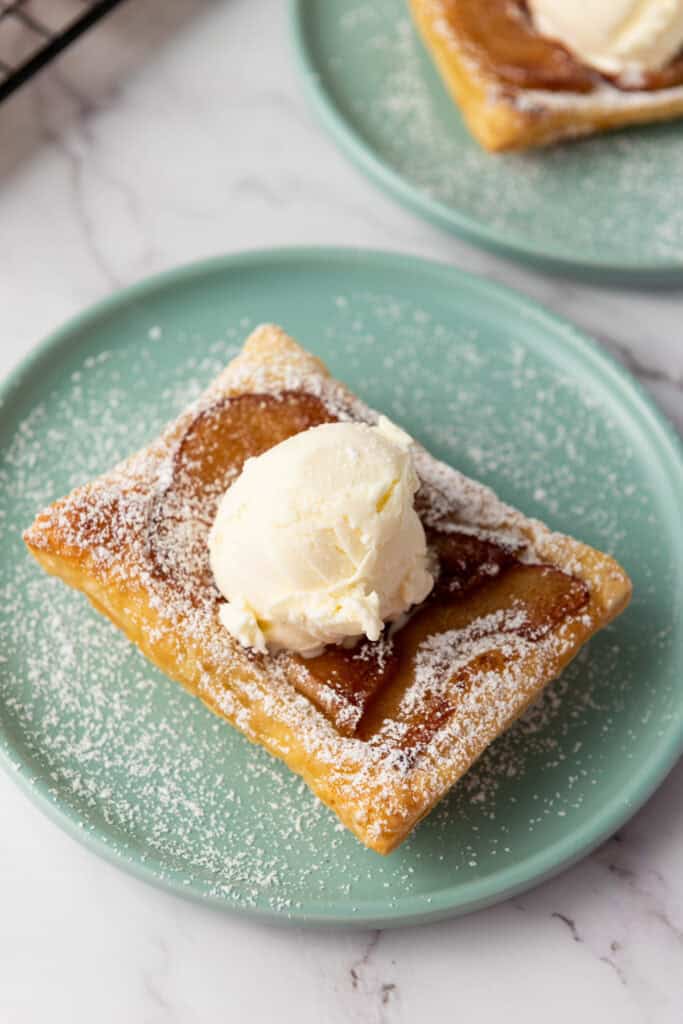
[
  {"x": 318, "y": 540},
  {"x": 614, "y": 36}
]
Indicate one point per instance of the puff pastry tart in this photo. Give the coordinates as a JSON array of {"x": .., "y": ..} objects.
[
  {"x": 517, "y": 88},
  {"x": 381, "y": 731}
]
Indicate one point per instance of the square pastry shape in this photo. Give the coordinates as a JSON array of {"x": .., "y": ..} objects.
[
  {"x": 379, "y": 732},
  {"x": 464, "y": 37}
]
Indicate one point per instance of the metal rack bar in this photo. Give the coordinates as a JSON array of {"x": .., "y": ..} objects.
[{"x": 53, "y": 42}]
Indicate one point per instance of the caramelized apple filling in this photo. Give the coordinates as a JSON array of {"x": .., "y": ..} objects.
[
  {"x": 483, "y": 589},
  {"x": 502, "y": 37}
]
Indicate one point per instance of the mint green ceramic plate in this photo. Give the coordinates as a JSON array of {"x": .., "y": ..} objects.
[
  {"x": 606, "y": 208},
  {"x": 140, "y": 771}
]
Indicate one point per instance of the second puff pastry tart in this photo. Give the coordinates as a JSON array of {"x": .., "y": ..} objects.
[{"x": 518, "y": 89}]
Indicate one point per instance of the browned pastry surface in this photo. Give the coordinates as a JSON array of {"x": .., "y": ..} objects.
[{"x": 380, "y": 731}]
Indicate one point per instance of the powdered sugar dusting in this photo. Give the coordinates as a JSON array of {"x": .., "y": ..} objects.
[
  {"x": 613, "y": 198},
  {"x": 136, "y": 759},
  {"x": 458, "y": 646}
]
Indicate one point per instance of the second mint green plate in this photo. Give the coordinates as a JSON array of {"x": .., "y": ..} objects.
[
  {"x": 145, "y": 775},
  {"x": 609, "y": 208}
]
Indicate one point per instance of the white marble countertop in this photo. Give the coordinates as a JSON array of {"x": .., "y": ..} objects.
[{"x": 172, "y": 132}]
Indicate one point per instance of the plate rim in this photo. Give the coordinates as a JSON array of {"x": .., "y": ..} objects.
[
  {"x": 653, "y": 273},
  {"x": 449, "y": 901}
]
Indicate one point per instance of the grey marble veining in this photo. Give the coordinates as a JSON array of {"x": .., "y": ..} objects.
[{"x": 176, "y": 131}]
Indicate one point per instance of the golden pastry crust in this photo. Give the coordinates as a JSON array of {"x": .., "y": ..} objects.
[
  {"x": 457, "y": 689},
  {"x": 503, "y": 116}
]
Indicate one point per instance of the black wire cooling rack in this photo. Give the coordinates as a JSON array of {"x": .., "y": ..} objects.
[{"x": 32, "y": 32}]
